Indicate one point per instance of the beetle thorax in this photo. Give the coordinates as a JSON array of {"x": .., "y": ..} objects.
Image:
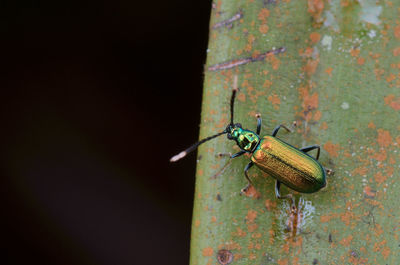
[{"x": 245, "y": 139}]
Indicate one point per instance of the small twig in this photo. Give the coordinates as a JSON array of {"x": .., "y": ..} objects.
[
  {"x": 229, "y": 21},
  {"x": 237, "y": 62}
]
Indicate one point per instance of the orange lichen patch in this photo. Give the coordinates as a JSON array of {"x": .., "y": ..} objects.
[
  {"x": 396, "y": 51},
  {"x": 355, "y": 52},
  {"x": 360, "y": 60},
  {"x": 238, "y": 256},
  {"x": 311, "y": 66},
  {"x": 315, "y": 8},
  {"x": 358, "y": 260},
  {"x": 252, "y": 227},
  {"x": 248, "y": 75},
  {"x": 324, "y": 126},
  {"x": 378, "y": 231},
  {"x": 371, "y": 125},
  {"x": 252, "y": 113},
  {"x": 283, "y": 262},
  {"x": 270, "y": 204},
  {"x": 251, "y": 245},
  {"x": 230, "y": 245},
  {"x": 213, "y": 112},
  {"x": 385, "y": 252},
  {"x": 200, "y": 172},
  {"x": 254, "y": 55},
  {"x": 271, "y": 233},
  {"x": 332, "y": 149},
  {"x": 397, "y": 32},
  {"x": 239, "y": 232},
  {"x": 317, "y": 115},
  {"x": 374, "y": 56},
  {"x": 379, "y": 156},
  {"x": 380, "y": 178},
  {"x": 197, "y": 223},
  {"x": 274, "y": 99},
  {"x": 216, "y": 166},
  {"x": 251, "y": 216},
  {"x": 360, "y": 171},
  {"x": 250, "y": 41},
  {"x": 208, "y": 252},
  {"x": 329, "y": 71},
  {"x": 267, "y": 84},
  {"x": 251, "y": 192},
  {"x": 347, "y": 217},
  {"x": 241, "y": 97},
  {"x": 392, "y": 101},
  {"x": 263, "y": 28},
  {"x": 346, "y": 241},
  {"x": 256, "y": 235},
  {"x": 213, "y": 219},
  {"x": 378, "y": 73},
  {"x": 344, "y": 3},
  {"x": 263, "y": 14},
  {"x": 275, "y": 62},
  {"x": 367, "y": 191},
  {"x": 328, "y": 218},
  {"x": 389, "y": 171},
  {"x": 307, "y": 52},
  {"x": 347, "y": 154},
  {"x": 382, "y": 248},
  {"x": 222, "y": 122},
  {"x": 390, "y": 78},
  {"x": 315, "y": 37},
  {"x": 384, "y": 138},
  {"x": 309, "y": 101}
]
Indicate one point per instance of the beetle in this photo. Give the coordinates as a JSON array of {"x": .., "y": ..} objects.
[{"x": 287, "y": 164}]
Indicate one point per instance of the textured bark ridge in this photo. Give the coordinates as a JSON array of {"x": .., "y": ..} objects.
[{"x": 330, "y": 70}]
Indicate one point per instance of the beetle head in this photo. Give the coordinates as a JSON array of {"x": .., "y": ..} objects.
[{"x": 245, "y": 139}]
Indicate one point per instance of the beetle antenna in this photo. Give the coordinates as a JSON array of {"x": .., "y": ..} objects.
[
  {"x": 234, "y": 90},
  {"x": 193, "y": 147}
]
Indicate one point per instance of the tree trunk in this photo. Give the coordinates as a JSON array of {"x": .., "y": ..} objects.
[{"x": 330, "y": 71}]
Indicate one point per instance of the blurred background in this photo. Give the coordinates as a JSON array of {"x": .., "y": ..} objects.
[{"x": 96, "y": 97}]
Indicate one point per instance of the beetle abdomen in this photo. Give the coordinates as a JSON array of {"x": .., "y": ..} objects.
[{"x": 289, "y": 165}]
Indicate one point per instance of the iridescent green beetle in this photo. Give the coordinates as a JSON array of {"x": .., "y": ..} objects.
[{"x": 286, "y": 163}]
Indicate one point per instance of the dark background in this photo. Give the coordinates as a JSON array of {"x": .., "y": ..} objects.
[{"x": 96, "y": 97}]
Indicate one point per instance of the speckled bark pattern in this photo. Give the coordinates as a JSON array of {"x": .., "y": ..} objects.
[{"x": 336, "y": 82}]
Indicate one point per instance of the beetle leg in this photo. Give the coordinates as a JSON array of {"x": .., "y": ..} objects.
[
  {"x": 275, "y": 131},
  {"x": 258, "y": 116},
  {"x": 278, "y": 195},
  {"x": 238, "y": 154},
  {"x": 249, "y": 165},
  {"x": 311, "y": 147}
]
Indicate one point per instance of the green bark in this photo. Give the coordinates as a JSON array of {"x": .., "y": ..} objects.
[{"x": 338, "y": 80}]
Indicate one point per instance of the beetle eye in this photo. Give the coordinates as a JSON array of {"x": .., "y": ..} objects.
[
  {"x": 238, "y": 125},
  {"x": 229, "y": 136}
]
